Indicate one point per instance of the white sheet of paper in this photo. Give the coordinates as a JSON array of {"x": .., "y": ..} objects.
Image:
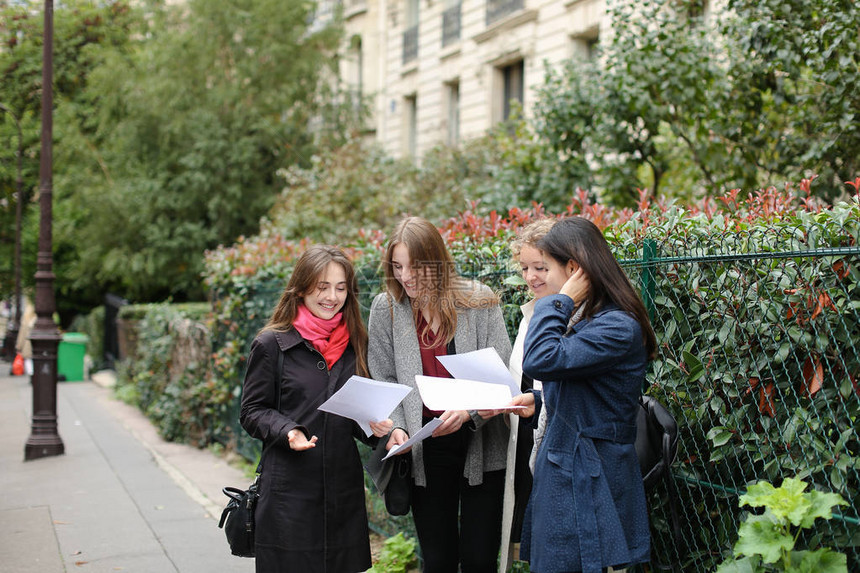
[
  {"x": 365, "y": 400},
  {"x": 424, "y": 432},
  {"x": 459, "y": 394},
  {"x": 483, "y": 365}
]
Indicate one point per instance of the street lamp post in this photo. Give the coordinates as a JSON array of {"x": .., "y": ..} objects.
[
  {"x": 15, "y": 323},
  {"x": 44, "y": 439}
]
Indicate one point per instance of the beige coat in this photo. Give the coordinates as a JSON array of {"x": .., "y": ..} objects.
[
  {"x": 516, "y": 368},
  {"x": 28, "y": 319}
]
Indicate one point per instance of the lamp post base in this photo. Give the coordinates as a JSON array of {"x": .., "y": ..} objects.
[{"x": 44, "y": 441}]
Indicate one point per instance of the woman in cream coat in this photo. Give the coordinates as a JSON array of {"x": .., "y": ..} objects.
[{"x": 518, "y": 477}]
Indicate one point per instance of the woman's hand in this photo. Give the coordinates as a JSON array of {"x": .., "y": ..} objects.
[
  {"x": 487, "y": 414},
  {"x": 452, "y": 420},
  {"x": 577, "y": 286},
  {"x": 382, "y": 428},
  {"x": 528, "y": 400},
  {"x": 397, "y": 437},
  {"x": 299, "y": 442}
]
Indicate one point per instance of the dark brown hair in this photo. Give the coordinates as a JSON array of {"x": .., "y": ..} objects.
[
  {"x": 307, "y": 273},
  {"x": 579, "y": 240}
]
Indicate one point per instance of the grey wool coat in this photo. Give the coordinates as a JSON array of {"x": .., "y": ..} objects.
[{"x": 393, "y": 355}]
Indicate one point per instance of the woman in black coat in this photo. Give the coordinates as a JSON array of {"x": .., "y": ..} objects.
[{"x": 311, "y": 513}]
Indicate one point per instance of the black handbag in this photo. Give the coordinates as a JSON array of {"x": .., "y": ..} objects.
[
  {"x": 656, "y": 440},
  {"x": 656, "y": 446},
  {"x": 237, "y": 519},
  {"x": 398, "y": 493},
  {"x": 392, "y": 478}
]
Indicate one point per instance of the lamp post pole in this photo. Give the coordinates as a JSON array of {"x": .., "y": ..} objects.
[
  {"x": 44, "y": 439},
  {"x": 12, "y": 330}
]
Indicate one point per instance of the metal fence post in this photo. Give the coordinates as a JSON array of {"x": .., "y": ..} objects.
[{"x": 646, "y": 279}]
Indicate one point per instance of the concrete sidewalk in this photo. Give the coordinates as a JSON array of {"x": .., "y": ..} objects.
[{"x": 119, "y": 499}]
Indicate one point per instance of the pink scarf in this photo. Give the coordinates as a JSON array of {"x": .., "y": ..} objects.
[{"x": 330, "y": 337}]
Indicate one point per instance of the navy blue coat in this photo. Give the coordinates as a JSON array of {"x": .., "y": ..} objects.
[{"x": 587, "y": 504}]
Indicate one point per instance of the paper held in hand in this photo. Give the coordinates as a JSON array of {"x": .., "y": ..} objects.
[
  {"x": 365, "y": 400},
  {"x": 423, "y": 433},
  {"x": 459, "y": 394},
  {"x": 483, "y": 365}
]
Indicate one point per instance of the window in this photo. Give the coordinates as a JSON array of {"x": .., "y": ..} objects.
[
  {"x": 410, "y": 34},
  {"x": 451, "y": 22},
  {"x": 699, "y": 11},
  {"x": 453, "y": 110},
  {"x": 512, "y": 88},
  {"x": 354, "y": 75},
  {"x": 323, "y": 15},
  {"x": 585, "y": 45},
  {"x": 410, "y": 121},
  {"x": 498, "y": 9},
  {"x": 412, "y": 13}
]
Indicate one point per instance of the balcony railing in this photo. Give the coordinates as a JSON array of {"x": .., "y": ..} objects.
[
  {"x": 451, "y": 25},
  {"x": 498, "y": 9},
  {"x": 410, "y": 44}
]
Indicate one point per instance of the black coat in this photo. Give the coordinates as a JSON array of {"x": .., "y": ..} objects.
[{"x": 311, "y": 513}]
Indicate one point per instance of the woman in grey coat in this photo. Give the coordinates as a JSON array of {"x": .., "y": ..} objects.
[{"x": 427, "y": 311}]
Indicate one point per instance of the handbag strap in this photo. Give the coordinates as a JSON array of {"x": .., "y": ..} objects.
[{"x": 277, "y": 385}]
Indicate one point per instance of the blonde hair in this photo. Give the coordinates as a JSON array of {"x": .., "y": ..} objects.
[
  {"x": 449, "y": 291},
  {"x": 529, "y": 235},
  {"x": 306, "y": 274}
]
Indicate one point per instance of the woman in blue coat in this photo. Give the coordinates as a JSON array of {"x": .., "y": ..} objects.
[{"x": 590, "y": 344}]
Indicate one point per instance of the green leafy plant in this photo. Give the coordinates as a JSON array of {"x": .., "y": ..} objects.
[
  {"x": 768, "y": 541},
  {"x": 398, "y": 555},
  {"x": 520, "y": 567}
]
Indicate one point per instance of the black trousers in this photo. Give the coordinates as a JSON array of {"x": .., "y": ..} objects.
[{"x": 457, "y": 523}]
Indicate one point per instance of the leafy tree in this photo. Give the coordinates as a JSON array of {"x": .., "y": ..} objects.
[
  {"x": 798, "y": 64},
  {"x": 643, "y": 109},
  {"x": 356, "y": 186},
  {"x": 684, "y": 101},
  {"x": 343, "y": 189},
  {"x": 82, "y": 31},
  {"x": 191, "y": 130}
]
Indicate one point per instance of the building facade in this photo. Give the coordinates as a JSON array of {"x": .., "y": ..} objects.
[{"x": 442, "y": 71}]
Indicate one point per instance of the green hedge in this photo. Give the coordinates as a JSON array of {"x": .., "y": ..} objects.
[
  {"x": 93, "y": 325},
  {"x": 167, "y": 377},
  {"x": 754, "y": 301}
]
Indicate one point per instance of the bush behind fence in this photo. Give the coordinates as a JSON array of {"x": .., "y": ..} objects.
[{"x": 758, "y": 322}]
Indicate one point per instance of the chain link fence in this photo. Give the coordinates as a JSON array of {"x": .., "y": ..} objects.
[{"x": 758, "y": 360}]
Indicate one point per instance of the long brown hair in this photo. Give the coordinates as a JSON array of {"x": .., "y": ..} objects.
[
  {"x": 307, "y": 273},
  {"x": 579, "y": 240},
  {"x": 450, "y": 291}
]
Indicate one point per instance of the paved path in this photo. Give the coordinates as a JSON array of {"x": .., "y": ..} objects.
[{"x": 119, "y": 499}]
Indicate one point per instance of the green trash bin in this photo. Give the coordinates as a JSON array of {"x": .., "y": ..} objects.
[{"x": 70, "y": 356}]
